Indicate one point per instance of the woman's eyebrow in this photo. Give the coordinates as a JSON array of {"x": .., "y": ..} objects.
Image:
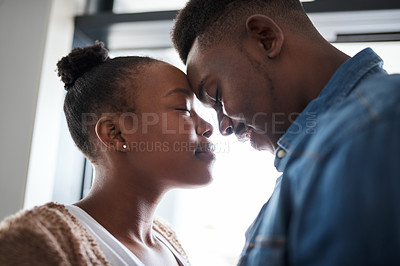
[{"x": 179, "y": 90}]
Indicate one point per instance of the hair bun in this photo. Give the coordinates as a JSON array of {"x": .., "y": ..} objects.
[{"x": 79, "y": 61}]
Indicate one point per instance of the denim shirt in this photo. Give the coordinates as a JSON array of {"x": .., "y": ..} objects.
[{"x": 338, "y": 199}]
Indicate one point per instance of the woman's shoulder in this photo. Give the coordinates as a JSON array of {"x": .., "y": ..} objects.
[
  {"x": 47, "y": 235},
  {"x": 36, "y": 219},
  {"x": 45, "y": 220}
]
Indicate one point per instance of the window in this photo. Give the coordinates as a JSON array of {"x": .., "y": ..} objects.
[{"x": 130, "y": 6}]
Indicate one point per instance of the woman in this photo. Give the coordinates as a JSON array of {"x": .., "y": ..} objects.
[{"x": 133, "y": 118}]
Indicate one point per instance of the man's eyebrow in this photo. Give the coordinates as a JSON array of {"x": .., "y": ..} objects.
[
  {"x": 200, "y": 89},
  {"x": 179, "y": 90}
]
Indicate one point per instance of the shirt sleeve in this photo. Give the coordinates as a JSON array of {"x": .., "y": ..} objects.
[{"x": 347, "y": 209}]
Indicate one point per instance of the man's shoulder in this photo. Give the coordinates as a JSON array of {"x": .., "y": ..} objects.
[
  {"x": 372, "y": 98},
  {"x": 373, "y": 102},
  {"x": 358, "y": 137},
  {"x": 377, "y": 93}
]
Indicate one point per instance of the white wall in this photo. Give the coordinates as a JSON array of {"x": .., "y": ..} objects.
[{"x": 29, "y": 50}]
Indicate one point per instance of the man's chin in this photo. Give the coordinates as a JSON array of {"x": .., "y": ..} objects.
[{"x": 261, "y": 142}]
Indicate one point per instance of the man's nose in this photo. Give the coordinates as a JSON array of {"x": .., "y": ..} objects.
[{"x": 225, "y": 125}]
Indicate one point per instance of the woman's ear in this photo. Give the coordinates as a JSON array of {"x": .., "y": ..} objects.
[
  {"x": 267, "y": 33},
  {"x": 108, "y": 132}
]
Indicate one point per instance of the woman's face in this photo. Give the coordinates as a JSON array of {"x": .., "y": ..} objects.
[{"x": 167, "y": 141}]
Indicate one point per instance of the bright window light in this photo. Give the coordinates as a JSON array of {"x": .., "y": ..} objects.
[{"x": 132, "y": 6}]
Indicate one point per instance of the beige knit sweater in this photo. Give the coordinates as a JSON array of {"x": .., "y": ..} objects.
[{"x": 50, "y": 235}]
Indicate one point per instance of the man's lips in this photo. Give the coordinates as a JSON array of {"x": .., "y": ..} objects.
[
  {"x": 251, "y": 135},
  {"x": 243, "y": 133},
  {"x": 239, "y": 128}
]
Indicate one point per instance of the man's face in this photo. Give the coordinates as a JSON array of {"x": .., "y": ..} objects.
[{"x": 234, "y": 83}]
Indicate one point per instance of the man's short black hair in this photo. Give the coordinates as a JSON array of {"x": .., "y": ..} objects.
[{"x": 216, "y": 20}]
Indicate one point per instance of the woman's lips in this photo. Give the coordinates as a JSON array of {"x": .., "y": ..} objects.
[
  {"x": 205, "y": 155},
  {"x": 205, "y": 151}
]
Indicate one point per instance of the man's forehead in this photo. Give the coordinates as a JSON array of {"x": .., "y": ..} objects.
[
  {"x": 202, "y": 65},
  {"x": 194, "y": 66},
  {"x": 194, "y": 54}
]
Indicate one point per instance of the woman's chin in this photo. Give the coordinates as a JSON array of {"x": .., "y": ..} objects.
[{"x": 199, "y": 181}]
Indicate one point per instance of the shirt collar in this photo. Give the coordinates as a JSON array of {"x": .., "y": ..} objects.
[{"x": 339, "y": 86}]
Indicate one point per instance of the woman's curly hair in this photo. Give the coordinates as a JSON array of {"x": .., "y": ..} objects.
[{"x": 97, "y": 84}]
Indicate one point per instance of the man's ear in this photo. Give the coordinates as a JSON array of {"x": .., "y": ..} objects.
[
  {"x": 108, "y": 132},
  {"x": 268, "y": 34}
]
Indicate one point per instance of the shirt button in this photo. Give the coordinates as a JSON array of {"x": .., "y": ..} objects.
[{"x": 281, "y": 154}]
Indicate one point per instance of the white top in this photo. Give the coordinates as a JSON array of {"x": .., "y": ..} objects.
[{"x": 115, "y": 252}]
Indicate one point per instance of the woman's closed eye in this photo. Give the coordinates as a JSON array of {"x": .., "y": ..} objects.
[{"x": 183, "y": 109}]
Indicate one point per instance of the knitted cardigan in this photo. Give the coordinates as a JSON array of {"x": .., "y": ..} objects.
[{"x": 50, "y": 235}]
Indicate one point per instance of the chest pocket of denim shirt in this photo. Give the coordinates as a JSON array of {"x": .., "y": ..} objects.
[
  {"x": 266, "y": 251},
  {"x": 267, "y": 237}
]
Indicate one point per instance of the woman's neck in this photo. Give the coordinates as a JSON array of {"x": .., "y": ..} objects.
[{"x": 125, "y": 210}]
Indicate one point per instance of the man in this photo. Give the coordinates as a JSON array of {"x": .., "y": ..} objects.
[{"x": 332, "y": 121}]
